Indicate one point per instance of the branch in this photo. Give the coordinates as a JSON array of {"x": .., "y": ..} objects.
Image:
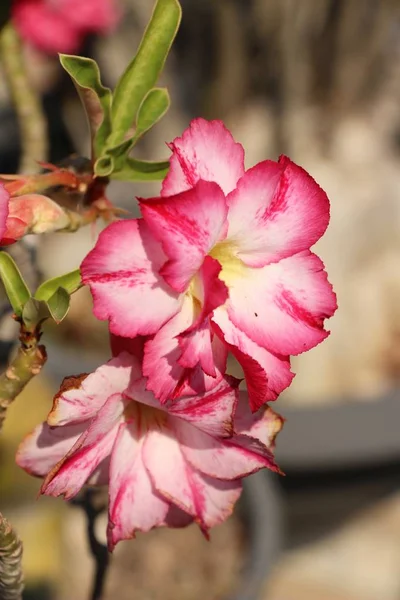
[
  {"x": 31, "y": 120},
  {"x": 93, "y": 504},
  {"x": 11, "y": 580},
  {"x": 27, "y": 363}
]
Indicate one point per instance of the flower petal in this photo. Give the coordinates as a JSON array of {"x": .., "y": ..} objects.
[
  {"x": 282, "y": 306},
  {"x": 122, "y": 272},
  {"x": 196, "y": 341},
  {"x": 211, "y": 412},
  {"x": 206, "y": 151},
  {"x": 42, "y": 449},
  {"x": 218, "y": 499},
  {"x": 187, "y": 225},
  {"x": 264, "y": 425},
  {"x": 92, "y": 447},
  {"x": 183, "y": 352},
  {"x": 80, "y": 399},
  {"x": 207, "y": 500},
  {"x": 168, "y": 470},
  {"x": 277, "y": 210},
  {"x": 134, "y": 506},
  {"x": 266, "y": 375},
  {"x": 162, "y": 352},
  {"x": 222, "y": 459}
]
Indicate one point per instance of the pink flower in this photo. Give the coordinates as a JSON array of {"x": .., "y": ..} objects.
[
  {"x": 166, "y": 465},
  {"x": 60, "y": 25},
  {"x": 222, "y": 256}
]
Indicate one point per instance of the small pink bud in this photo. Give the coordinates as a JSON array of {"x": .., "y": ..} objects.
[{"x": 32, "y": 213}]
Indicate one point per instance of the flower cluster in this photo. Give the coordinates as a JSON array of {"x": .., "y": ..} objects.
[
  {"x": 220, "y": 263},
  {"x": 61, "y": 25}
]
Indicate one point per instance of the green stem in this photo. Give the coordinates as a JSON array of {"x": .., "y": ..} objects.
[
  {"x": 27, "y": 363},
  {"x": 31, "y": 120},
  {"x": 11, "y": 579}
]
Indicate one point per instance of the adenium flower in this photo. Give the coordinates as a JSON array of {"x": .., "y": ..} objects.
[
  {"x": 223, "y": 253},
  {"x": 60, "y": 25},
  {"x": 166, "y": 465}
]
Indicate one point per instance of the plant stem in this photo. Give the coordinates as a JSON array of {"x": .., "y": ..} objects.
[
  {"x": 27, "y": 363},
  {"x": 11, "y": 579},
  {"x": 31, "y": 120},
  {"x": 93, "y": 504}
]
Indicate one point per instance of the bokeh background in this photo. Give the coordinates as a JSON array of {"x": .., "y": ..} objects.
[{"x": 318, "y": 80}]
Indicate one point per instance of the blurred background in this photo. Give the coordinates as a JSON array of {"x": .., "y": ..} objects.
[{"x": 318, "y": 80}]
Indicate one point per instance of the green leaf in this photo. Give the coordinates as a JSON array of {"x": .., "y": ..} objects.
[
  {"x": 58, "y": 304},
  {"x": 16, "y": 289},
  {"x": 71, "y": 282},
  {"x": 142, "y": 73},
  {"x": 104, "y": 166},
  {"x": 141, "y": 170},
  {"x": 95, "y": 98},
  {"x": 153, "y": 108},
  {"x": 34, "y": 312}
]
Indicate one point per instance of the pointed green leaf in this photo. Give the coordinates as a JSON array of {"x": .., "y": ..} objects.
[
  {"x": 153, "y": 108},
  {"x": 58, "y": 304},
  {"x": 141, "y": 170},
  {"x": 95, "y": 98},
  {"x": 16, "y": 289},
  {"x": 71, "y": 282},
  {"x": 34, "y": 312},
  {"x": 142, "y": 73}
]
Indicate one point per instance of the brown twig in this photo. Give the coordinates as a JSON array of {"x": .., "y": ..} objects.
[
  {"x": 11, "y": 579},
  {"x": 92, "y": 503}
]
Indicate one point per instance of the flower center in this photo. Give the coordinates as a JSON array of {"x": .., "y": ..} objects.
[
  {"x": 145, "y": 417},
  {"x": 231, "y": 266}
]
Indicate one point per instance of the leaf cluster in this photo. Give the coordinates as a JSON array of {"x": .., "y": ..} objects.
[{"x": 118, "y": 119}]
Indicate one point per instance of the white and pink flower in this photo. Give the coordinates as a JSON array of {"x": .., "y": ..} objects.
[
  {"x": 223, "y": 256},
  {"x": 166, "y": 465}
]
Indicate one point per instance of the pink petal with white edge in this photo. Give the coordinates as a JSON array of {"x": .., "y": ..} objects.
[
  {"x": 208, "y": 501},
  {"x": 206, "y": 151},
  {"x": 264, "y": 425},
  {"x": 76, "y": 404},
  {"x": 93, "y": 446},
  {"x": 122, "y": 272},
  {"x": 42, "y": 449},
  {"x": 4, "y": 208},
  {"x": 211, "y": 412},
  {"x": 185, "y": 343},
  {"x": 161, "y": 354},
  {"x": 169, "y": 472},
  {"x": 218, "y": 499},
  {"x": 187, "y": 225},
  {"x": 266, "y": 375},
  {"x": 277, "y": 210},
  {"x": 208, "y": 290},
  {"x": 196, "y": 381},
  {"x": 223, "y": 459},
  {"x": 196, "y": 349},
  {"x": 134, "y": 506},
  {"x": 282, "y": 306}
]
